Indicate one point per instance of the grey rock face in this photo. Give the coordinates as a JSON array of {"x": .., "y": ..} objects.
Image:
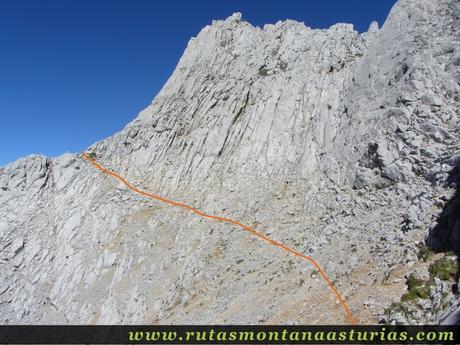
[{"x": 327, "y": 140}]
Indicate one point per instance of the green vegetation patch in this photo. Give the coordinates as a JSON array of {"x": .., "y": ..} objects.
[
  {"x": 445, "y": 268},
  {"x": 417, "y": 288},
  {"x": 422, "y": 292},
  {"x": 424, "y": 253}
]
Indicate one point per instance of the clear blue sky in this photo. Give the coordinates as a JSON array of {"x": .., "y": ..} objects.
[{"x": 73, "y": 72}]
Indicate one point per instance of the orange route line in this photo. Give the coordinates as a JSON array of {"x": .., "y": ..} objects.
[{"x": 234, "y": 222}]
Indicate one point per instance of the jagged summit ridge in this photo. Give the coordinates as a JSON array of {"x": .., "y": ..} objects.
[
  {"x": 336, "y": 143},
  {"x": 244, "y": 67}
]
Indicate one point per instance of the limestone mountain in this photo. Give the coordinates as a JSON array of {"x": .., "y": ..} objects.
[{"x": 339, "y": 144}]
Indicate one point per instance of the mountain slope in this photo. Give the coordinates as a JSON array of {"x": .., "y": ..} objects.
[{"x": 336, "y": 143}]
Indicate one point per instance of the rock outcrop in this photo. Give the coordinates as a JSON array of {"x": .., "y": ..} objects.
[{"x": 337, "y": 143}]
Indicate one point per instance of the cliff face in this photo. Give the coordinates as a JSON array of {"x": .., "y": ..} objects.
[{"x": 336, "y": 143}]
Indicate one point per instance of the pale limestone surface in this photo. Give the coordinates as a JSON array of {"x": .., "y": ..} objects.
[{"x": 333, "y": 142}]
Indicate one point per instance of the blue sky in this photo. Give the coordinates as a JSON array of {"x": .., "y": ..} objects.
[{"x": 74, "y": 72}]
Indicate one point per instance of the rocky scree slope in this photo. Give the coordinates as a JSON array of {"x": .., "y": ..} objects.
[{"x": 336, "y": 143}]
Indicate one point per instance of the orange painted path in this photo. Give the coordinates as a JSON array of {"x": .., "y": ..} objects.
[{"x": 230, "y": 221}]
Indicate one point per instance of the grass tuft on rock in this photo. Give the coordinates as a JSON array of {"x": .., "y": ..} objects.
[
  {"x": 445, "y": 268},
  {"x": 424, "y": 253},
  {"x": 417, "y": 288}
]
